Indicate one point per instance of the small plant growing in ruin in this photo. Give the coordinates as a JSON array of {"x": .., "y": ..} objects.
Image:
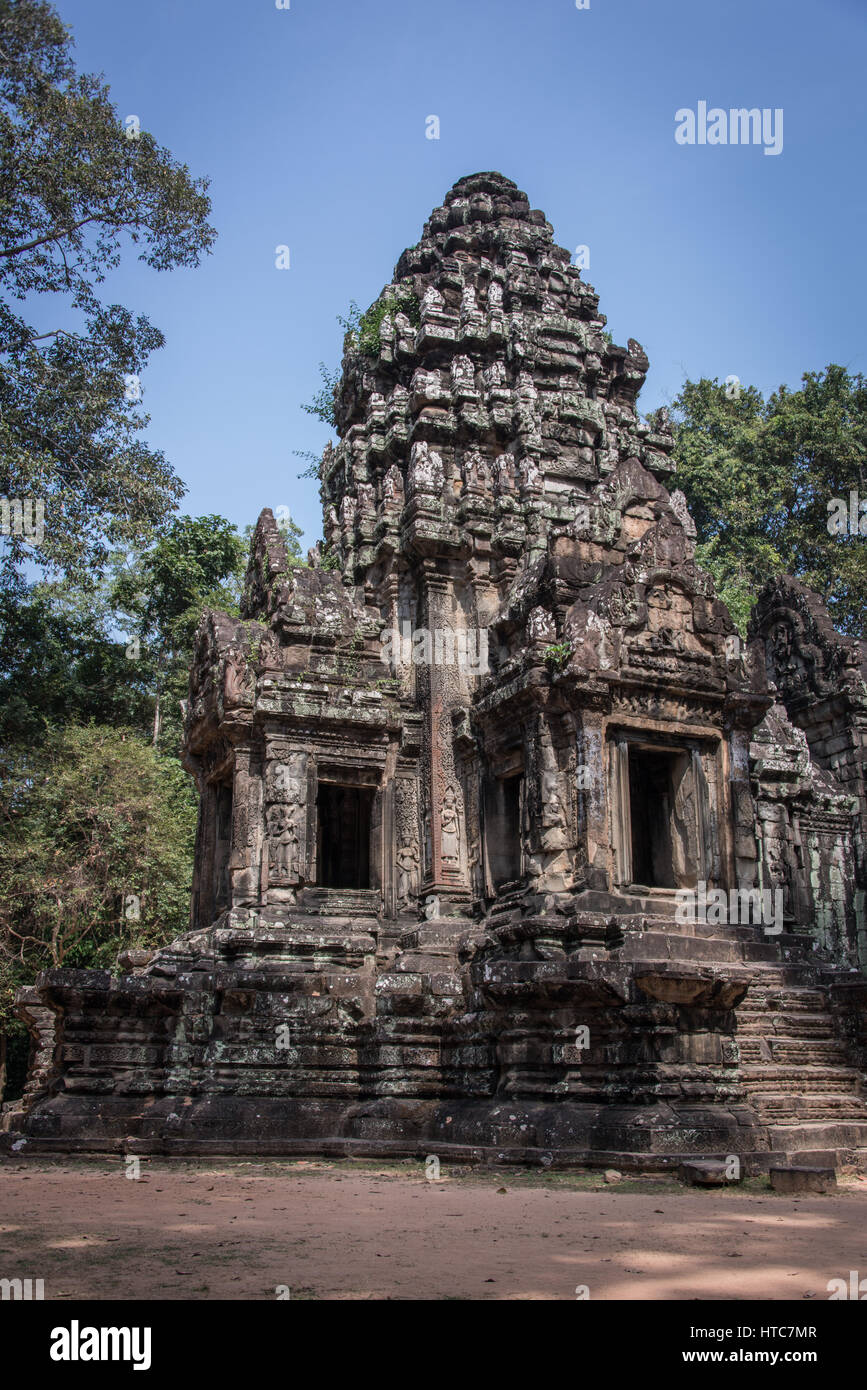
[
  {"x": 367, "y": 335},
  {"x": 557, "y": 655}
]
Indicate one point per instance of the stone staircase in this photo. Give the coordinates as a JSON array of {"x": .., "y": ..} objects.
[{"x": 799, "y": 1074}]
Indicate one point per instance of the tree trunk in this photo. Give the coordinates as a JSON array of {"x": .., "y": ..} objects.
[{"x": 156, "y": 718}]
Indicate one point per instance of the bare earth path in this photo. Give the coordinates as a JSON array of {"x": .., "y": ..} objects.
[{"x": 224, "y": 1229}]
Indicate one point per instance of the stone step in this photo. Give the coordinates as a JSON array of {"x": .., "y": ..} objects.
[
  {"x": 762, "y": 950},
  {"x": 784, "y": 1107},
  {"x": 812, "y": 1076},
  {"x": 809, "y": 1028},
  {"x": 746, "y": 944},
  {"x": 785, "y": 944},
  {"x": 792, "y": 999},
  {"x": 708, "y": 930},
  {"x": 340, "y": 901},
  {"x": 822, "y": 1158},
  {"x": 435, "y": 937},
  {"x": 818, "y": 1136},
  {"x": 660, "y": 947},
  {"x": 771, "y": 1049},
  {"x": 798, "y": 1178}
]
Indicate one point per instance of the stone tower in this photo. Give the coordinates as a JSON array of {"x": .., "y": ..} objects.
[{"x": 460, "y": 774}]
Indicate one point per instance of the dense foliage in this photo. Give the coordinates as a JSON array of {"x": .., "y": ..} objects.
[
  {"x": 99, "y": 591},
  {"x": 95, "y": 851},
  {"x": 78, "y": 183},
  {"x": 761, "y": 476}
]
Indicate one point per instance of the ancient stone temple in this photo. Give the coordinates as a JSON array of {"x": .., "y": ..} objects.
[{"x": 508, "y": 846}]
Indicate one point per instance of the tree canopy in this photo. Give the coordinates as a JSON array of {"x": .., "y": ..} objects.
[
  {"x": 95, "y": 851},
  {"x": 77, "y": 186},
  {"x": 195, "y": 563},
  {"x": 760, "y": 477}
]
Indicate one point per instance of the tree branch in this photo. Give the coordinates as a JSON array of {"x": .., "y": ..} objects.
[{"x": 53, "y": 236}]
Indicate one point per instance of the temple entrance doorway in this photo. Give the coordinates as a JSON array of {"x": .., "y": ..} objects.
[
  {"x": 652, "y": 779},
  {"x": 343, "y": 835},
  {"x": 661, "y": 826}
]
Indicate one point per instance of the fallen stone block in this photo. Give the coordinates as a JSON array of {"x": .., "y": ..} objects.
[{"x": 802, "y": 1179}]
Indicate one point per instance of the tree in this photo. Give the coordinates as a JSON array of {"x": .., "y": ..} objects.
[
  {"x": 117, "y": 649},
  {"x": 76, "y": 185},
  {"x": 760, "y": 476},
  {"x": 195, "y": 563},
  {"x": 818, "y": 436},
  {"x": 61, "y": 662},
  {"x": 159, "y": 594},
  {"x": 732, "y": 498},
  {"x": 95, "y": 852}
]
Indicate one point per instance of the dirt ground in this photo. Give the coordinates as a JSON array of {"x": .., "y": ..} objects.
[{"x": 224, "y": 1229}]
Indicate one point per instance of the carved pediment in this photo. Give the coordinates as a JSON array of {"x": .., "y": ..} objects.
[{"x": 791, "y": 630}]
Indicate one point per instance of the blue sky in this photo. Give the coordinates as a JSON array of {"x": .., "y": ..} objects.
[{"x": 310, "y": 123}]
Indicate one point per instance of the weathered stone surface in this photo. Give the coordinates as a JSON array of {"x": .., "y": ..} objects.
[
  {"x": 803, "y": 1179},
  {"x": 457, "y": 774}
]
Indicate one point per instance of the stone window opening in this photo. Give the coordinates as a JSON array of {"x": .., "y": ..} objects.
[
  {"x": 344, "y": 815},
  {"x": 503, "y": 829}
]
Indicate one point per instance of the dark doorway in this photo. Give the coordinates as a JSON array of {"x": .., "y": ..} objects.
[
  {"x": 503, "y": 829},
  {"x": 650, "y": 797},
  {"x": 343, "y": 843}
]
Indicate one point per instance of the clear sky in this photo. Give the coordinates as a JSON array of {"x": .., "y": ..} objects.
[{"x": 310, "y": 122}]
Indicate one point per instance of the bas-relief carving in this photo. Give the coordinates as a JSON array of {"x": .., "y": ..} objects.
[
  {"x": 407, "y": 872},
  {"x": 393, "y": 489},
  {"x": 407, "y": 858},
  {"x": 450, "y": 830},
  {"x": 285, "y": 814},
  {"x": 554, "y": 833},
  {"x": 283, "y": 844},
  {"x": 287, "y": 780},
  {"x": 425, "y": 469},
  {"x": 541, "y": 627},
  {"x": 270, "y": 651},
  {"x": 239, "y": 681}
]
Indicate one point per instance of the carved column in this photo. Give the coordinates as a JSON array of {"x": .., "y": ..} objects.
[
  {"x": 447, "y": 870},
  {"x": 740, "y": 823},
  {"x": 593, "y": 798},
  {"x": 246, "y": 818},
  {"x": 621, "y": 813}
]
